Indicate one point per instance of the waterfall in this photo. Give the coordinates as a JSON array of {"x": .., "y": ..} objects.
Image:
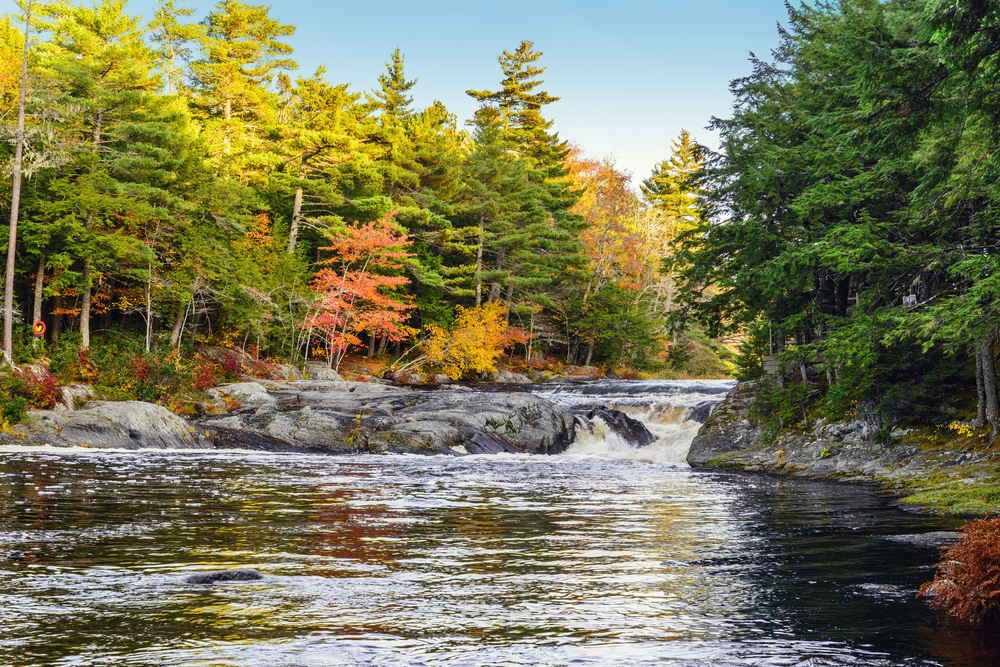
[{"x": 672, "y": 410}]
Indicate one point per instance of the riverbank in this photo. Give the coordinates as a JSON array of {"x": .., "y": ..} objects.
[{"x": 928, "y": 468}]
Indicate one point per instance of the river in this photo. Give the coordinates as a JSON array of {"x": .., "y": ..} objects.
[{"x": 603, "y": 555}]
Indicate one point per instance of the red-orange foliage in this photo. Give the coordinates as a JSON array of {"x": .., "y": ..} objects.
[
  {"x": 354, "y": 293},
  {"x": 967, "y": 581}
]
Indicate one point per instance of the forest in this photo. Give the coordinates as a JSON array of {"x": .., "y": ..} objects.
[
  {"x": 854, "y": 230},
  {"x": 177, "y": 187}
]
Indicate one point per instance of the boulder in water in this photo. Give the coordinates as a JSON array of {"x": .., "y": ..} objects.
[
  {"x": 221, "y": 576},
  {"x": 633, "y": 430}
]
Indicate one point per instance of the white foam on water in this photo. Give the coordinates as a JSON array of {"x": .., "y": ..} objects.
[
  {"x": 664, "y": 407},
  {"x": 673, "y": 440}
]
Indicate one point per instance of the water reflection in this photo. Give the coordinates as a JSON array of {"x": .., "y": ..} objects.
[{"x": 483, "y": 560}]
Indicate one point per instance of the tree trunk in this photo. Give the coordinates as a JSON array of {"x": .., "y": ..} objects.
[
  {"x": 56, "y": 317},
  {"x": 147, "y": 293},
  {"x": 980, "y": 391},
  {"x": 372, "y": 343},
  {"x": 495, "y": 287},
  {"x": 985, "y": 353},
  {"x": 399, "y": 349},
  {"x": 15, "y": 202},
  {"x": 175, "y": 333},
  {"x": 590, "y": 353},
  {"x": 293, "y": 233},
  {"x": 85, "y": 306},
  {"x": 508, "y": 300},
  {"x": 383, "y": 342},
  {"x": 36, "y": 313},
  {"x": 479, "y": 265}
]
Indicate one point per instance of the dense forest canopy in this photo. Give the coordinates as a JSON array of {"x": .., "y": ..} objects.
[
  {"x": 184, "y": 182},
  {"x": 855, "y": 229}
]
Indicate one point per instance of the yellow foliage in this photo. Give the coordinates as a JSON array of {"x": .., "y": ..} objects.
[{"x": 474, "y": 343}]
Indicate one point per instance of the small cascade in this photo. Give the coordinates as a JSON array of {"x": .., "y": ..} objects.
[{"x": 672, "y": 410}]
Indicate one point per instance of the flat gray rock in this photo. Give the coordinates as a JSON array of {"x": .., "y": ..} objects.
[{"x": 118, "y": 425}]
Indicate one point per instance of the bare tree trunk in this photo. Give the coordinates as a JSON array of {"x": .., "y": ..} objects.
[
  {"x": 399, "y": 349},
  {"x": 985, "y": 353},
  {"x": 36, "y": 312},
  {"x": 372, "y": 344},
  {"x": 495, "y": 287},
  {"x": 980, "y": 391},
  {"x": 293, "y": 232},
  {"x": 383, "y": 342},
  {"x": 15, "y": 203},
  {"x": 148, "y": 294},
  {"x": 85, "y": 306},
  {"x": 479, "y": 265},
  {"x": 508, "y": 299},
  {"x": 175, "y": 333},
  {"x": 57, "y": 317},
  {"x": 590, "y": 353}
]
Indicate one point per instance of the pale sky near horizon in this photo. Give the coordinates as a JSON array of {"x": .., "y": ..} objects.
[{"x": 630, "y": 74}]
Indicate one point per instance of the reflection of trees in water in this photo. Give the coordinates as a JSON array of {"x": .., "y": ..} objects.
[
  {"x": 34, "y": 495},
  {"x": 347, "y": 531},
  {"x": 962, "y": 644}
]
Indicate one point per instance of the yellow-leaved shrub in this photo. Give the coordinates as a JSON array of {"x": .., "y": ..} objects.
[{"x": 475, "y": 341}]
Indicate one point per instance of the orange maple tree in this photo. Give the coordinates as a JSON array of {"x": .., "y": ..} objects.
[
  {"x": 616, "y": 251},
  {"x": 354, "y": 291}
]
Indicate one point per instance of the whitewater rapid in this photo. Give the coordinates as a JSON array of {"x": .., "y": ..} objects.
[{"x": 672, "y": 410}]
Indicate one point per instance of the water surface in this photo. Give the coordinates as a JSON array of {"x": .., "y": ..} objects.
[{"x": 602, "y": 558}]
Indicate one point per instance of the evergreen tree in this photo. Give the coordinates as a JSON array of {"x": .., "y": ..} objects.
[
  {"x": 241, "y": 56},
  {"x": 173, "y": 39}
]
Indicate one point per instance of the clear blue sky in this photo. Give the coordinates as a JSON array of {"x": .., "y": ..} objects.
[{"x": 631, "y": 74}]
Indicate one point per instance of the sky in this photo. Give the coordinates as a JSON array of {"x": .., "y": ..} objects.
[{"x": 631, "y": 74}]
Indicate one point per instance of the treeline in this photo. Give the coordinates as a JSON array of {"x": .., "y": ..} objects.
[
  {"x": 856, "y": 229},
  {"x": 180, "y": 183}
]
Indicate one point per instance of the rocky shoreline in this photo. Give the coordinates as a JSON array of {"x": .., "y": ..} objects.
[
  {"x": 331, "y": 416},
  {"x": 924, "y": 473}
]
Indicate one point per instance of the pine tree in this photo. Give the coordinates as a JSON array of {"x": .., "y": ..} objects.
[
  {"x": 173, "y": 39},
  {"x": 100, "y": 56},
  {"x": 241, "y": 56},
  {"x": 673, "y": 186}
]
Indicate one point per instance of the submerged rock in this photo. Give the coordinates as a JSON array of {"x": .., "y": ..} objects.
[
  {"x": 220, "y": 576},
  {"x": 934, "y": 539}
]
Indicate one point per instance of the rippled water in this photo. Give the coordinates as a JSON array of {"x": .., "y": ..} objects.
[{"x": 578, "y": 559}]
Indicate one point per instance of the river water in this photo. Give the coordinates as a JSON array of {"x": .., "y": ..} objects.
[{"x": 604, "y": 555}]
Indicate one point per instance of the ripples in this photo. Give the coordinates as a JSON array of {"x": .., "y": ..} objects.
[{"x": 506, "y": 560}]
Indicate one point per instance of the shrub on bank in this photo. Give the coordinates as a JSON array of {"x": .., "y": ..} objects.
[{"x": 967, "y": 581}]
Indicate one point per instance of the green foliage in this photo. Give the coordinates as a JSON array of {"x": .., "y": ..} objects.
[
  {"x": 775, "y": 407},
  {"x": 13, "y": 402},
  {"x": 751, "y": 350}
]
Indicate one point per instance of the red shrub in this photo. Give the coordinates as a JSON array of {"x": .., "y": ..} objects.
[
  {"x": 88, "y": 369},
  {"x": 42, "y": 388},
  {"x": 206, "y": 377},
  {"x": 967, "y": 581},
  {"x": 232, "y": 366}
]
